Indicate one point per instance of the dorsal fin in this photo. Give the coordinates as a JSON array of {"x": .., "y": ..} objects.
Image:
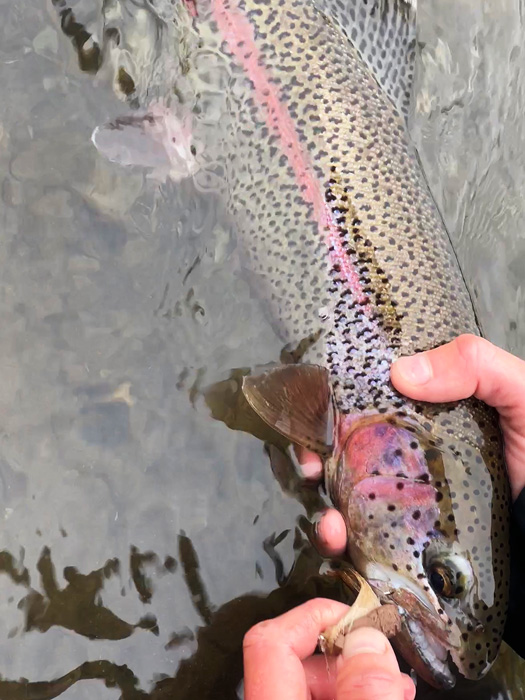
[{"x": 384, "y": 33}]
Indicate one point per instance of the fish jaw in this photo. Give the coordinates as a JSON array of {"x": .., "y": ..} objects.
[
  {"x": 425, "y": 640},
  {"x": 427, "y": 656},
  {"x": 390, "y": 480}
]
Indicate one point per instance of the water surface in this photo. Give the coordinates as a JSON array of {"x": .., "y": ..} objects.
[{"x": 141, "y": 535}]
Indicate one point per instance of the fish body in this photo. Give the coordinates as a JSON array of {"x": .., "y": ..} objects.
[{"x": 304, "y": 108}]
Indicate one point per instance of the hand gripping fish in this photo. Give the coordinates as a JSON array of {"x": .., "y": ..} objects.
[{"x": 303, "y": 104}]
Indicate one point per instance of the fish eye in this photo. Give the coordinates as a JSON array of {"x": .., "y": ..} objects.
[
  {"x": 449, "y": 573},
  {"x": 441, "y": 580}
]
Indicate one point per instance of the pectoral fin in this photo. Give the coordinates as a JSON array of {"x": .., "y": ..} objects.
[
  {"x": 296, "y": 401},
  {"x": 227, "y": 403}
]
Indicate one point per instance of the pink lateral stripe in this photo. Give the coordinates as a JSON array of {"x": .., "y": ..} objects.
[{"x": 238, "y": 34}]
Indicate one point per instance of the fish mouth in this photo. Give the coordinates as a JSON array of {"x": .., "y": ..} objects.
[
  {"x": 425, "y": 639},
  {"x": 427, "y": 655}
]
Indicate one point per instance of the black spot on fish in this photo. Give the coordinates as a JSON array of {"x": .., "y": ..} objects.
[{"x": 432, "y": 454}]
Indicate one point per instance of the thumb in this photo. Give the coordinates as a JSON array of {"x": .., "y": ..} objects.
[
  {"x": 467, "y": 366},
  {"x": 471, "y": 366},
  {"x": 369, "y": 670}
]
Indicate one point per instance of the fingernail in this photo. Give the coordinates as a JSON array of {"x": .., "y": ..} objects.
[
  {"x": 310, "y": 470},
  {"x": 364, "y": 642},
  {"x": 415, "y": 370}
]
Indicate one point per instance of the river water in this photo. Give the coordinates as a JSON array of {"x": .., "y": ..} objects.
[{"x": 141, "y": 535}]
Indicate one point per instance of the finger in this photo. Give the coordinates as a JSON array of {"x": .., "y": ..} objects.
[
  {"x": 468, "y": 366},
  {"x": 309, "y": 462},
  {"x": 299, "y": 628},
  {"x": 330, "y": 533},
  {"x": 409, "y": 687},
  {"x": 471, "y": 366},
  {"x": 321, "y": 674},
  {"x": 274, "y": 650},
  {"x": 369, "y": 669}
]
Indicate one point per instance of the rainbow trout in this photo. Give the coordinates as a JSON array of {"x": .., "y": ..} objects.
[{"x": 298, "y": 109}]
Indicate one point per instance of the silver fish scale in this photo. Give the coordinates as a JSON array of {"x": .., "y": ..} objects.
[
  {"x": 284, "y": 254},
  {"x": 349, "y": 128}
]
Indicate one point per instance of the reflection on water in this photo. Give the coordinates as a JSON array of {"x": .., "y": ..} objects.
[
  {"x": 214, "y": 669},
  {"x": 141, "y": 536},
  {"x": 78, "y": 605}
]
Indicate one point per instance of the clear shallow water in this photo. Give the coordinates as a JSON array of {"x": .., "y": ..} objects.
[
  {"x": 470, "y": 133},
  {"x": 125, "y": 503}
]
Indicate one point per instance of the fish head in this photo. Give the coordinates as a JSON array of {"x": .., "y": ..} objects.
[
  {"x": 421, "y": 531},
  {"x": 425, "y": 501}
]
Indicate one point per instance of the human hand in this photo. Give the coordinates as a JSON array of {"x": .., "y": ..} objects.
[
  {"x": 279, "y": 663},
  {"x": 467, "y": 366}
]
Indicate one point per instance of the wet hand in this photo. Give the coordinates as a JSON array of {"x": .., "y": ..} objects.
[
  {"x": 467, "y": 366},
  {"x": 279, "y": 660},
  {"x": 471, "y": 366}
]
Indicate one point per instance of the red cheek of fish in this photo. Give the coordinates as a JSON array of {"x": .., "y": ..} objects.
[
  {"x": 410, "y": 504},
  {"x": 386, "y": 450}
]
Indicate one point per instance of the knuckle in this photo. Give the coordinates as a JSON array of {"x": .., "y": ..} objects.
[
  {"x": 475, "y": 352},
  {"x": 468, "y": 347},
  {"x": 258, "y": 635},
  {"x": 319, "y": 608}
]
